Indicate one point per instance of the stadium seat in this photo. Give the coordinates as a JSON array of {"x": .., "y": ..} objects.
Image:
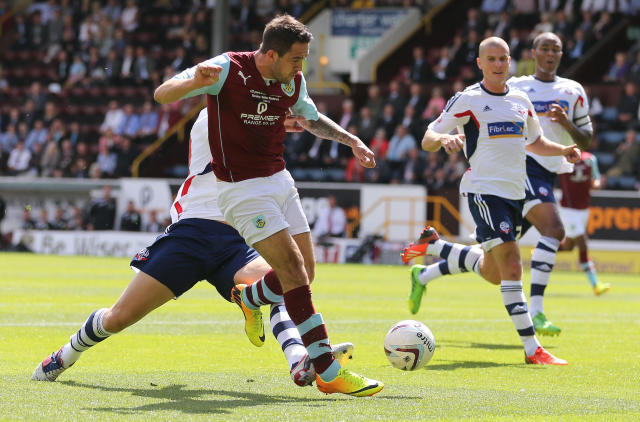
[
  {"x": 605, "y": 160},
  {"x": 622, "y": 182},
  {"x": 610, "y": 114}
]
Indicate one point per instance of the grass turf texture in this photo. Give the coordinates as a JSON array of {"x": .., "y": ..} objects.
[{"x": 191, "y": 360}]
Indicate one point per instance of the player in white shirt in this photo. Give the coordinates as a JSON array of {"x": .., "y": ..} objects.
[
  {"x": 563, "y": 109},
  {"x": 496, "y": 124},
  {"x": 198, "y": 245}
]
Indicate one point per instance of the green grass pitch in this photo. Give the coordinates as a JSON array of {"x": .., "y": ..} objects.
[{"x": 190, "y": 359}]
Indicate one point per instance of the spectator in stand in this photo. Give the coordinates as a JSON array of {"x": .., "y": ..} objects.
[
  {"x": 130, "y": 123},
  {"x": 545, "y": 25},
  {"x": 38, "y": 96},
  {"x": 106, "y": 161},
  {"x": 43, "y": 222},
  {"x": 13, "y": 118},
  {"x": 27, "y": 221},
  {"x": 50, "y": 159},
  {"x": 9, "y": 139},
  {"x": 634, "y": 70},
  {"x": 503, "y": 26},
  {"x": 77, "y": 221},
  {"x": 375, "y": 103},
  {"x": 493, "y": 6},
  {"x": 142, "y": 66},
  {"x": 67, "y": 157},
  {"x": 74, "y": 134},
  {"x": 113, "y": 119},
  {"x": 434, "y": 106},
  {"x": 102, "y": 211},
  {"x": 127, "y": 70},
  {"x": 416, "y": 99},
  {"x": 577, "y": 45},
  {"x": 348, "y": 117},
  {"x": 628, "y": 105},
  {"x": 23, "y": 131},
  {"x": 37, "y": 135},
  {"x": 475, "y": 22},
  {"x": 432, "y": 165},
  {"x": 62, "y": 67},
  {"x": 4, "y": 157},
  {"x": 181, "y": 61},
  {"x": 124, "y": 158},
  {"x": 37, "y": 35},
  {"x": 603, "y": 26},
  {"x": 112, "y": 66},
  {"x": 95, "y": 67},
  {"x": 50, "y": 113},
  {"x": 388, "y": 120},
  {"x": 414, "y": 168},
  {"x": 440, "y": 68},
  {"x": 396, "y": 98},
  {"x": 412, "y": 122},
  {"x": 627, "y": 156},
  {"x": 367, "y": 125},
  {"x": 59, "y": 222},
  {"x": 154, "y": 226},
  {"x": 77, "y": 71},
  {"x": 619, "y": 68},
  {"x": 420, "y": 70},
  {"x": 130, "y": 221},
  {"x": 526, "y": 65},
  {"x": 454, "y": 169},
  {"x": 148, "y": 124},
  {"x": 36, "y": 159},
  {"x": 561, "y": 26},
  {"x": 19, "y": 159},
  {"x": 129, "y": 16},
  {"x": 331, "y": 220},
  {"x": 398, "y": 152}
]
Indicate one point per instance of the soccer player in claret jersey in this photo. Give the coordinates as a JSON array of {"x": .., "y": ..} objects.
[
  {"x": 574, "y": 210},
  {"x": 496, "y": 125},
  {"x": 248, "y": 95},
  {"x": 197, "y": 246},
  {"x": 563, "y": 109}
]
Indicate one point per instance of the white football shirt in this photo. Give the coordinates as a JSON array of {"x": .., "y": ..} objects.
[
  {"x": 571, "y": 97},
  {"x": 197, "y": 197},
  {"x": 497, "y": 129}
]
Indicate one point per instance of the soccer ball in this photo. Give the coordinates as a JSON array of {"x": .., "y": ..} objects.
[{"x": 409, "y": 345}]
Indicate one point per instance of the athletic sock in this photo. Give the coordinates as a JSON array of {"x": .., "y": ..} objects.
[
  {"x": 542, "y": 261},
  {"x": 266, "y": 291},
  {"x": 90, "y": 334},
  {"x": 590, "y": 269},
  {"x": 285, "y": 331},
  {"x": 458, "y": 258},
  {"x": 312, "y": 331},
  {"x": 516, "y": 305}
]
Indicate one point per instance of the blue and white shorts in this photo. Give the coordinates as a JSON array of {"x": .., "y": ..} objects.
[
  {"x": 538, "y": 185},
  {"x": 497, "y": 219}
]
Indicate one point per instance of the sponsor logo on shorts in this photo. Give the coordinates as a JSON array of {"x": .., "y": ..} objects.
[
  {"x": 143, "y": 255},
  {"x": 543, "y": 191},
  {"x": 505, "y": 227},
  {"x": 259, "y": 221}
]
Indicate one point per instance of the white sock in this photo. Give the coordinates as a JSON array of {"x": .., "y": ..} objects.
[
  {"x": 516, "y": 305},
  {"x": 91, "y": 333},
  {"x": 286, "y": 332},
  {"x": 542, "y": 262}
]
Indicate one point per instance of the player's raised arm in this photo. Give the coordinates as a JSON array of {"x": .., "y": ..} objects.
[
  {"x": 581, "y": 136},
  {"x": 326, "y": 128},
  {"x": 203, "y": 75}
]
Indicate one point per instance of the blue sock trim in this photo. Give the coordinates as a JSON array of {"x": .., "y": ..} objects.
[
  {"x": 290, "y": 342},
  {"x": 541, "y": 266},
  {"x": 271, "y": 297},
  {"x": 312, "y": 322},
  {"x": 444, "y": 267},
  {"x": 331, "y": 372},
  {"x": 463, "y": 255},
  {"x": 537, "y": 289},
  {"x": 446, "y": 250},
  {"x": 526, "y": 332},
  {"x": 245, "y": 300},
  {"x": 281, "y": 326}
]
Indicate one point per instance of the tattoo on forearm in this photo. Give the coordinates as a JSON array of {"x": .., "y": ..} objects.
[{"x": 326, "y": 128}]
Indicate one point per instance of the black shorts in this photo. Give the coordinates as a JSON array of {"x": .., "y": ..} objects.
[{"x": 196, "y": 249}]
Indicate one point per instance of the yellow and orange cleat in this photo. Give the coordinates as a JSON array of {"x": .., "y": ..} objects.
[
  {"x": 414, "y": 250},
  {"x": 253, "y": 325},
  {"x": 350, "y": 383}
]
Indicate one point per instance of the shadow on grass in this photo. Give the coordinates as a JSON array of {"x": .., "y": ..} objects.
[
  {"x": 463, "y": 364},
  {"x": 178, "y": 398}
]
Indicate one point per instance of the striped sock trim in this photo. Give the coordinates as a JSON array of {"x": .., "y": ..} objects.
[
  {"x": 248, "y": 298},
  {"x": 331, "y": 372},
  {"x": 91, "y": 333},
  {"x": 516, "y": 305},
  {"x": 312, "y": 322},
  {"x": 318, "y": 348}
]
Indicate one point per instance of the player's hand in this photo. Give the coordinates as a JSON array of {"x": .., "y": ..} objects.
[
  {"x": 292, "y": 123},
  {"x": 363, "y": 154},
  {"x": 572, "y": 153},
  {"x": 557, "y": 114},
  {"x": 452, "y": 143},
  {"x": 207, "y": 74}
]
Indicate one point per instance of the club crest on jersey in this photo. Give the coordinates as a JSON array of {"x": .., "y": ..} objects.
[
  {"x": 259, "y": 221},
  {"x": 543, "y": 191},
  {"x": 289, "y": 88},
  {"x": 505, "y": 129},
  {"x": 505, "y": 227},
  {"x": 143, "y": 255}
]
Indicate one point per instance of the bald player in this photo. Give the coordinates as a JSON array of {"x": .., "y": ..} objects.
[{"x": 496, "y": 124}]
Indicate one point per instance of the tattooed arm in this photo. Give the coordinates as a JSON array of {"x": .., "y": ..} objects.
[{"x": 326, "y": 128}]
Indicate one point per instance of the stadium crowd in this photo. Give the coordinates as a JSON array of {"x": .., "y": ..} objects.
[{"x": 88, "y": 112}]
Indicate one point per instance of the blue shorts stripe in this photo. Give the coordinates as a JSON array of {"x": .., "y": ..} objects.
[
  {"x": 312, "y": 322},
  {"x": 318, "y": 348}
]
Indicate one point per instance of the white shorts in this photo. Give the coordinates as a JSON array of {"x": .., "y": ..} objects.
[
  {"x": 574, "y": 221},
  {"x": 262, "y": 206}
]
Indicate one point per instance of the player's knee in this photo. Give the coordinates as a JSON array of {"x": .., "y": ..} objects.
[{"x": 555, "y": 231}]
